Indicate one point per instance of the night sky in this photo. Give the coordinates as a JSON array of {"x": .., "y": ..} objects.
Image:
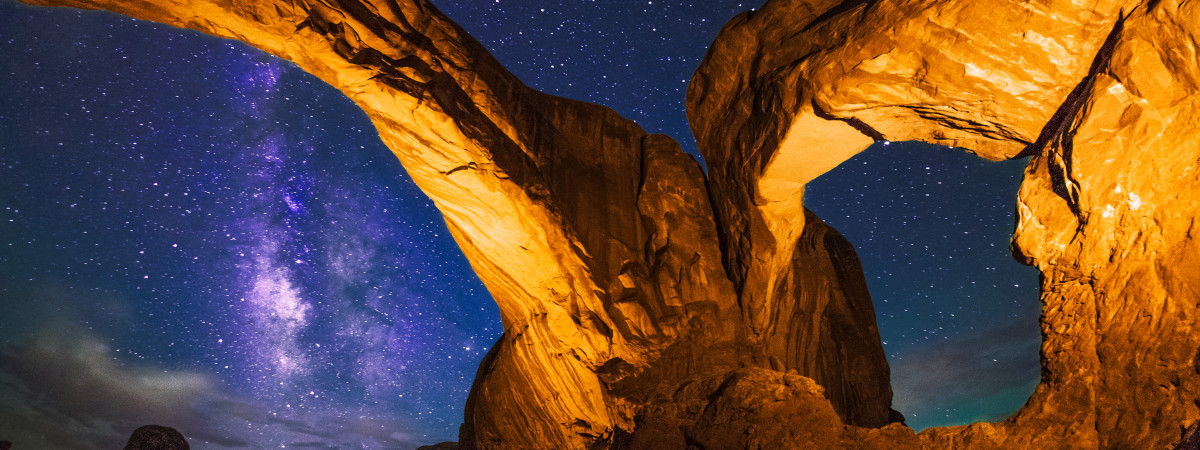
[{"x": 196, "y": 234}]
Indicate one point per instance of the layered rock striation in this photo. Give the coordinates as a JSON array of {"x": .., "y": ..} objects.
[
  {"x": 647, "y": 306},
  {"x": 1100, "y": 95},
  {"x": 597, "y": 239}
]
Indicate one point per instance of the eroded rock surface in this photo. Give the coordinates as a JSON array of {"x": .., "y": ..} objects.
[
  {"x": 1108, "y": 213},
  {"x": 1101, "y": 94},
  {"x": 596, "y": 239},
  {"x": 638, "y": 314},
  {"x": 757, "y": 408}
]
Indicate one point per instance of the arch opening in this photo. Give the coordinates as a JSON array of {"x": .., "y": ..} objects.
[
  {"x": 958, "y": 316},
  {"x": 241, "y": 258},
  {"x": 272, "y": 283}
]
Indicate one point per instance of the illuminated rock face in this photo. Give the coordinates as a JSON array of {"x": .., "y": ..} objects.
[
  {"x": 639, "y": 314},
  {"x": 596, "y": 239},
  {"x": 1101, "y": 95}
]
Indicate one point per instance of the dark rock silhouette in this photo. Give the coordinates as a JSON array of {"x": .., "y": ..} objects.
[
  {"x": 156, "y": 437},
  {"x": 1191, "y": 438}
]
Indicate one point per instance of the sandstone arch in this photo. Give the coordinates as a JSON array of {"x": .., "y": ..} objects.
[
  {"x": 1098, "y": 94},
  {"x": 628, "y": 298}
]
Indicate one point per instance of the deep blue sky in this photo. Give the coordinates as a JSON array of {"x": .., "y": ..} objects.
[
  {"x": 194, "y": 230},
  {"x": 958, "y": 316}
]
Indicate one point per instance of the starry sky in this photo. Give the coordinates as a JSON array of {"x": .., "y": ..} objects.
[{"x": 197, "y": 234}]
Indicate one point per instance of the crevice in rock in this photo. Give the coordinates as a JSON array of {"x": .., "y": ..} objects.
[{"x": 857, "y": 124}]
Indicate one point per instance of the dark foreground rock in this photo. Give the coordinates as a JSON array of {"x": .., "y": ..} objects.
[
  {"x": 440, "y": 446},
  {"x": 156, "y": 437}
]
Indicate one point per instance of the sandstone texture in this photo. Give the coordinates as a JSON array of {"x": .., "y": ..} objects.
[
  {"x": 1101, "y": 95},
  {"x": 647, "y": 306},
  {"x": 757, "y": 409},
  {"x": 597, "y": 239}
]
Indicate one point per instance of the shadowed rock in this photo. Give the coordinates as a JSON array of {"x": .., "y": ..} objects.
[
  {"x": 1190, "y": 439},
  {"x": 440, "y": 446},
  {"x": 156, "y": 437},
  {"x": 596, "y": 239},
  {"x": 645, "y": 305},
  {"x": 1101, "y": 95}
]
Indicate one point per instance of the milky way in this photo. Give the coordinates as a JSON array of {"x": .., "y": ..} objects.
[
  {"x": 244, "y": 227},
  {"x": 192, "y": 231}
]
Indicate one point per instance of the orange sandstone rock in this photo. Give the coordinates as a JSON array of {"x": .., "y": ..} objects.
[
  {"x": 1100, "y": 94},
  {"x": 638, "y": 314},
  {"x": 596, "y": 239}
]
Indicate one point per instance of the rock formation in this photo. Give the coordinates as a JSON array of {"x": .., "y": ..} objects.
[
  {"x": 1100, "y": 95},
  {"x": 156, "y": 437},
  {"x": 638, "y": 313},
  {"x": 757, "y": 408},
  {"x": 596, "y": 239}
]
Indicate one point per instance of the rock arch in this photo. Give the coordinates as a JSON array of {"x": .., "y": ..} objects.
[
  {"x": 1099, "y": 95},
  {"x": 629, "y": 298}
]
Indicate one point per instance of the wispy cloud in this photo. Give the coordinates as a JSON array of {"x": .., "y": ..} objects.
[
  {"x": 70, "y": 391},
  {"x": 65, "y": 388},
  {"x": 985, "y": 377}
]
